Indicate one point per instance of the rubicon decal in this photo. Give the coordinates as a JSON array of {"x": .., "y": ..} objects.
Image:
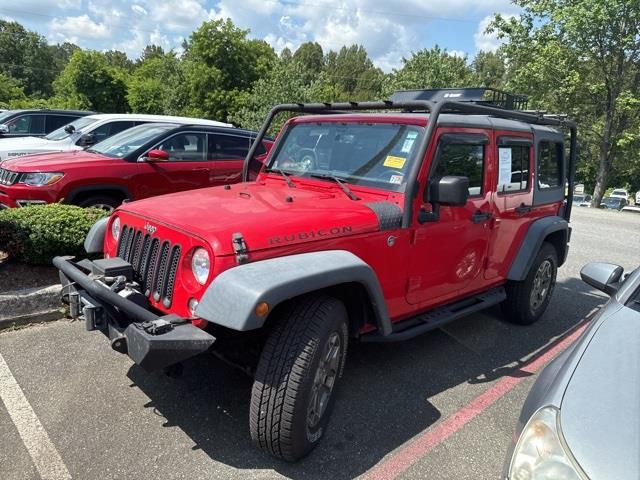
[{"x": 323, "y": 232}]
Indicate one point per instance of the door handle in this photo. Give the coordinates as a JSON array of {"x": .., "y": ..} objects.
[
  {"x": 479, "y": 217},
  {"x": 523, "y": 209}
]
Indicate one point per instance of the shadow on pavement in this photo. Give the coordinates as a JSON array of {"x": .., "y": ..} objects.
[{"x": 385, "y": 391}]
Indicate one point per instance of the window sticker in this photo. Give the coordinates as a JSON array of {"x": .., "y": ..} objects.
[
  {"x": 504, "y": 176},
  {"x": 396, "y": 179},
  {"x": 394, "y": 162}
]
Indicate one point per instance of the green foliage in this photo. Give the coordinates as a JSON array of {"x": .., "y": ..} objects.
[
  {"x": 36, "y": 234},
  {"x": 154, "y": 86},
  {"x": 489, "y": 69},
  {"x": 89, "y": 81},
  {"x": 431, "y": 68},
  {"x": 10, "y": 91},
  {"x": 351, "y": 75}
]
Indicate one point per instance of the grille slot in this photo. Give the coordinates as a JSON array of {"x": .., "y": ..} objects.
[
  {"x": 7, "y": 177},
  {"x": 155, "y": 262}
]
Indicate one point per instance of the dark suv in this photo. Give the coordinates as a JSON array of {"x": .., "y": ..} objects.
[
  {"x": 370, "y": 227},
  {"x": 35, "y": 123},
  {"x": 143, "y": 161}
]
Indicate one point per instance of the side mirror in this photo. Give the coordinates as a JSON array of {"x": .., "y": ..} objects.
[
  {"x": 603, "y": 276},
  {"x": 4, "y": 129},
  {"x": 156, "y": 156},
  {"x": 86, "y": 140},
  {"x": 450, "y": 190}
]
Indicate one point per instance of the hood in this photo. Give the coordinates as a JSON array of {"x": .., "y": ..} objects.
[
  {"x": 12, "y": 147},
  {"x": 54, "y": 161},
  {"x": 600, "y": 411},
  {"x": 267, "y": 215}
]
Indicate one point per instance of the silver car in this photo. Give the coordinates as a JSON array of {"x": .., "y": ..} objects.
[{"x": 581, "y": 419}]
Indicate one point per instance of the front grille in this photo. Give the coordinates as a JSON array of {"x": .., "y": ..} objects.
[
  {"x": 155, "y": 262},
  {"x": 7, "y": 177}
]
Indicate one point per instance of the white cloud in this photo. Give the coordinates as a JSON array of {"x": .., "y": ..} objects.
[
  {"x": 138, "y": 9},
  {"x": 457, "y": 53},
  {"x": 488, "y": 42},
  {"x": 78, "y": 27}
]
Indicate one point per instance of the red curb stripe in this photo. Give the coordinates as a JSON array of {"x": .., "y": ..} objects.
[{"x": 400, "y": 461}]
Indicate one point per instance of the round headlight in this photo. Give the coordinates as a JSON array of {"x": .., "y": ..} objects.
[
  {"x": 115, "y": 228},
  {"x": 200, "y": 265}
]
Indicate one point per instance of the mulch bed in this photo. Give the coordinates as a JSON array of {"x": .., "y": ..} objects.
[{"x": 17, "y": 276}]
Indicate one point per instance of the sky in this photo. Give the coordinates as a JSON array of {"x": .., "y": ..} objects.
[{"x": 388, "y": 29}]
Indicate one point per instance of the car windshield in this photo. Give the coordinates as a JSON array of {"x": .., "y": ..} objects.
[
  {"x": 621, "y": 193},
  {"x": 372, "y": 154},
  {"x": 578, "y": 198},
  {"x": 611, "y": 201},
  {"x": 78, "y": 124},
  {"x": 127, "y": 141}
]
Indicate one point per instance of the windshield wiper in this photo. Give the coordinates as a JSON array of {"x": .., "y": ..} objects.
[
  {"x": 341, "y": 183},
  {"x": 284, "y": 174}
]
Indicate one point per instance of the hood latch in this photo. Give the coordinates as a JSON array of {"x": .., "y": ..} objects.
[{"x": 240, "y": 248}]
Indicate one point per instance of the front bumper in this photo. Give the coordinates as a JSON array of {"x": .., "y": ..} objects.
[{"x": 152, "y": 341}]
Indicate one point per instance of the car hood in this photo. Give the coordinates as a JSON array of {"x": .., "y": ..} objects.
[
  {"x": 600, "y": 411},
  {"x": 267, "y": 216},
  {"x": 9, "y": 147},
  {"x": 54, "y": 161}
]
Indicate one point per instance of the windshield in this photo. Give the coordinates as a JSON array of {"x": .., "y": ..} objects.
[
  {"x": 378, "y": 154},
  {"x": 611, "y": 201},
  {"x": 621, "y": 193},
  {"x": 127, "y": 141},
  {"x": 78, "y": 124},
  {"x": 578, "y": 198}
]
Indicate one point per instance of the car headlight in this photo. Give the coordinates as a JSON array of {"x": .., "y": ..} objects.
[
  {"x": 540, "y": 453},
  {"x": 115, "y": 228},
  {"x": 200, "y": 265},
  {"x": 39, "y": 179}
]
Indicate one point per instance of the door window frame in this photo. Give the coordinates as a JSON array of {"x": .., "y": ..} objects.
[
  {"x": 184, "y": 132},
  {"x": 511, "y": 141}
]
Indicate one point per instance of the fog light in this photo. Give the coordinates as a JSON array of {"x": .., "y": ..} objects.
[
  {"x": 26, "y": 203},
  {"x": 193, "y": 304},
  {"x": 262, "y": 309}
]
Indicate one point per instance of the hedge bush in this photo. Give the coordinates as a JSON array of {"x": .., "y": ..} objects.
[{"x": 37, "y": 233}]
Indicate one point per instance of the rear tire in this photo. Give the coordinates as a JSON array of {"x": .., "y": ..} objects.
[
  {"x": 527, "y": 300},
  {"x": 104, "y": 202},
  {"x": 295, "y": 382}
]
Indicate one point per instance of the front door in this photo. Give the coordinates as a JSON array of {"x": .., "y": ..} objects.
[
  {"x": 448, "y": 256},
  {"x": 186, "y": 169}
]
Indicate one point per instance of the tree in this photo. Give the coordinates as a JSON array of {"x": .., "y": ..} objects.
[
  {"x": 489, "y": 69},
  {"x": 10, "y": 91},
  {"x": 430, "y": 68},
  {"x": 88, "y": 81},
  {"x": 580, "y": 57},
  {"x": 351, "y": 74},
  {"x": 118, "y": 59},
  {"x": 25, "y": 56},
  {"x": 220, "y": 66},
  {"x": 151, "y": 51},
  {"x": 155, "y": 86},
  {"x": 311, "y": 58}
]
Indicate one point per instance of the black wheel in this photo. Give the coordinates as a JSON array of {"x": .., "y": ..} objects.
[
  {"x": 527, "y": 300},
  {"x": 105, "y": 202},
  {"x": 295, "y": 382}
]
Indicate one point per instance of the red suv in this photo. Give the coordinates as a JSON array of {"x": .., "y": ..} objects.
[
  {"x": 143, "y": 161},
  {"x": 360, "y": 227}
]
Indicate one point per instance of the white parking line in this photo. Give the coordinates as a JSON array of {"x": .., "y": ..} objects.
[{"x": 42, "y": 451}]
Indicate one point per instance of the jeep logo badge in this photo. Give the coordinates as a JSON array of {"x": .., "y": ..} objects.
[{"x": 150, "y": 229}]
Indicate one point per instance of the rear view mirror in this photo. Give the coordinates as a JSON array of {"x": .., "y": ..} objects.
[
  {"x": 156, "y": 156},
  {"x": 4, "y": 128},
  {"x": 603, "y": 276},
  {"x": 86, "y": 140},
  {"x": 450, "y": 190}
]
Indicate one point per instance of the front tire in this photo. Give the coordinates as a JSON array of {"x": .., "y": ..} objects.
[
  {"x": 295, "y": 382},
  {"x": 104, "y": 202},
  {"x": 527, "y": 300}
]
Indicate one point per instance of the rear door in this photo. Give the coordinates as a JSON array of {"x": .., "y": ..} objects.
[
  {"x": 512, "y": 199},
  {"x": 30, "y": 124},
  {"x": 186, "y": 169}
]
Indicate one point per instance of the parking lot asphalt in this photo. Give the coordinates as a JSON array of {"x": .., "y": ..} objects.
[{"x": 419, "y": 406}]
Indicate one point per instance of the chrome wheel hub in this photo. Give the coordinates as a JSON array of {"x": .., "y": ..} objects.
[{"x": 324, "y": 379}]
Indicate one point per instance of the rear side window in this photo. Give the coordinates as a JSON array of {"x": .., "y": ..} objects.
[
  {"x": 549, "y": 165},
  {"x": 27, "y": 124},
  {"x": 465, "y": 160},
  {"x": 513, "y": 168},
  {"x": 228, "y": 147}
]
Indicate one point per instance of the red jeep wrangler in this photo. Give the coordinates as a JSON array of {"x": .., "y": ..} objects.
[{"x": 372, "y": 227}]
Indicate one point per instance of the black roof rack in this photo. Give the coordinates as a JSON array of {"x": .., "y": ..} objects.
[{"x": 478, "y": 95}]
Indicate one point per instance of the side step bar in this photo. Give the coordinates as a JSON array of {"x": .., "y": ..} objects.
[{"x": 427, "y": 321}]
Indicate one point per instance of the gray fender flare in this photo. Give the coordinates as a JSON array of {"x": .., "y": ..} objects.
[
  {"x": 232, "y": 297},
  {"x": 94, "y": 241},
  {"x": 538, "y": 231}
]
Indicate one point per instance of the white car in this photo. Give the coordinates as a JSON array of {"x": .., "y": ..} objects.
[
  {"x": 637, "y": 198},
  {"x": 87, "y": 131},
  {"x": 620, "y": 193}
]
